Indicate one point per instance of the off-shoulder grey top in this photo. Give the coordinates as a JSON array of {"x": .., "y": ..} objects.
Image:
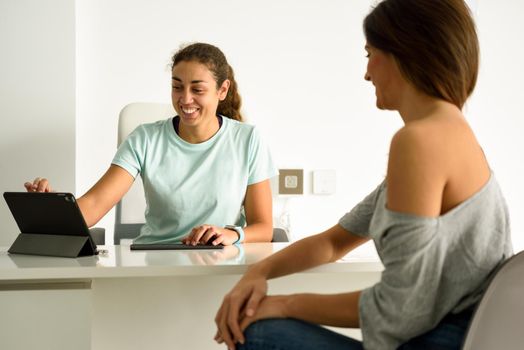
[{"x": 433, "y": 266}]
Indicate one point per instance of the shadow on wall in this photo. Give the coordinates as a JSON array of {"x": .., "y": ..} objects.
[{"x": 47, "y": 154}]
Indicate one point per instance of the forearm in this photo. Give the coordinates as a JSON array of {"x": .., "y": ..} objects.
[
  {"x": 301, "y": 255},
  {"x": 309, "y": 252},
  {"x": 104, "y": 194},
  {"x": 338, "y": 310},
  {"x": 258, "y": 232},
  {"x": 259, "y": 213},
  {"x": 91, "y": 212}
]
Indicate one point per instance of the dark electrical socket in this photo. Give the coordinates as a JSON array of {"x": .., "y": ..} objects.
[{"x": 291, "y": 181}]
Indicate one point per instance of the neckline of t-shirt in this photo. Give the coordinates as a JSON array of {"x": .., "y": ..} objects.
[
  {"x": 177, "y": 139},
  {"x": 176, "y": 123}
]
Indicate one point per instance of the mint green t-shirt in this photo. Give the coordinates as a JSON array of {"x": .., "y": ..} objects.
[{"x": 186, "y": 184}]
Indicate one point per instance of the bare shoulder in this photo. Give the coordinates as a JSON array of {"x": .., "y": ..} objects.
[
  {"x": 423, "y": 139},
  {"x": 415, "y": 138},
  {"x": 434, "y": 164},
  {"x": 415, "y": 177},
  {"x": 419, "y": 147}
]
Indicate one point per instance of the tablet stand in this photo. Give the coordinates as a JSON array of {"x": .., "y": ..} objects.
[{"x": 68, "y": 246}]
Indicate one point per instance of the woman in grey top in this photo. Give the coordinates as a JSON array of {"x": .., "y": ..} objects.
[{"x": 439, "y": 220}]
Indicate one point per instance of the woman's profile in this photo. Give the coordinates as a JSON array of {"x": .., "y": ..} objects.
[{"x": 438, "y": 220}]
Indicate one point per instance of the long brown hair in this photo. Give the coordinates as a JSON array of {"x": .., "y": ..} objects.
[
  {"x": 433, "y": 41},
  {"x": 216, "y": 62}
]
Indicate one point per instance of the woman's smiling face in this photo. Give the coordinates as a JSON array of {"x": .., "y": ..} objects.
[{"x": 194, "y": 92}]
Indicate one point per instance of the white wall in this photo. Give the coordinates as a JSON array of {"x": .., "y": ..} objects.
[
  {"x": 300, "y": 67},
  {"x": 37, "y": 98},
  {"x": 495, "y": 110}
]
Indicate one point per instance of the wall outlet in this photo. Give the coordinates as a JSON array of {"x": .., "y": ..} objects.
[{"x": 291, "y": 181}]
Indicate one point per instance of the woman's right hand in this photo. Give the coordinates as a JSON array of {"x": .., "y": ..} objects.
[
  {"x": 240, "y": 302},
  {"x": 38, "y": 185}
]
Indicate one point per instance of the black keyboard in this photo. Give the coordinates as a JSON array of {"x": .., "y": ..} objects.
[{"x": 173, "y": 246}]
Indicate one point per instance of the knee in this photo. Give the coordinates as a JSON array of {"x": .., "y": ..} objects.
[
  {"x": 265, "y": 328},
  {"x": 268, "y": 333}
]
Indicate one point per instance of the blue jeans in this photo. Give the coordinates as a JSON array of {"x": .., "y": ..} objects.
[{"x": 291, "y": 334}]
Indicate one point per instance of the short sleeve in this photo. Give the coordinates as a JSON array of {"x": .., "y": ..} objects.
[
  {"x": 130, "y": 155},
  {"x": 433, "y": 266},
  {"x": 260, "y": 162},
  {"x": 401, "y": 305},
  {"x": 358, "y": 220}
]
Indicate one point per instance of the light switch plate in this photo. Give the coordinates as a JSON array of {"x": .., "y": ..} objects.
[
  {"x": 324, "y": 181},
  {"x": 291, "y": 181}
]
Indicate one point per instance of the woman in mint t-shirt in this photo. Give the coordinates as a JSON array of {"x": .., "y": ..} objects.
[{"x": 203, "y": 170}]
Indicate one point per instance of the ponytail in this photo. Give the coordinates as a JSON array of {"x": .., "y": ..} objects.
[{"x": 230, "y": 106}]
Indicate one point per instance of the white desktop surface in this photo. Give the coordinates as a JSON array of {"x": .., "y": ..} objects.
[
  {"x": 148, "y": 299},
  {"x": 120, "y": 261}
]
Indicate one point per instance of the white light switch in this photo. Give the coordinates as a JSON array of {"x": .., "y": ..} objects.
[{"x": 324, "y": 181}]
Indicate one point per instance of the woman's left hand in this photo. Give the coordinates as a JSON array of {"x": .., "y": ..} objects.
[
  {"x": 272, "y": 306},
  {"x": 210, "y": 234}
]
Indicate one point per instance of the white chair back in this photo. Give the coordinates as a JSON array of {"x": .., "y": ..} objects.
[{"x": 130, "y": 210}]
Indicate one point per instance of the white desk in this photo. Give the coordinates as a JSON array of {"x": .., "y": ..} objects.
[{"x": 141, "y": 299}]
